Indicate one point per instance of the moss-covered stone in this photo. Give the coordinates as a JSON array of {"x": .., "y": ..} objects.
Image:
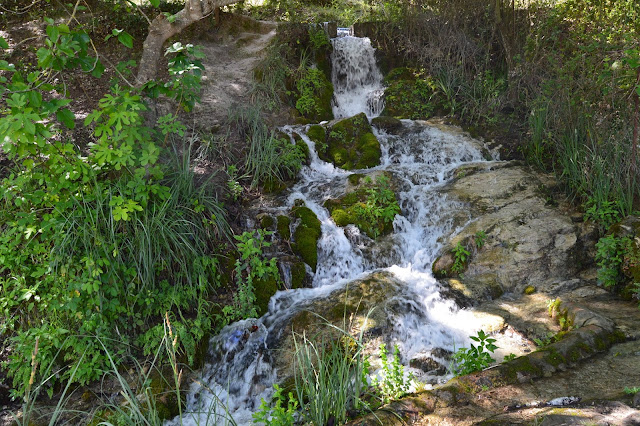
[
  {"x": 283, "y": 227},
  {"x": 298, "y": 275},
  {"x": 265, "y": 288},
  {"x": 266, "y": 222},
  {"x": 355, "y": 178},
  {"x": 371, "y": 207},
  {"x": 274, "y": 185},
  {"x": 412, "y": 94},
  {"x": 306, "y": 235},
  {"x": 350, "y": 144},
  {"x": 528, "y": 290},
  {"x": 389, "y": 124},
  {"x": 315, "y": 93}
]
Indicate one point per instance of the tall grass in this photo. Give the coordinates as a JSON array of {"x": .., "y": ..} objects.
[{"x": 330, "y": 375}]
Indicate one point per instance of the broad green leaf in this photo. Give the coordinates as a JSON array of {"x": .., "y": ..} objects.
[
  {"x": 67, "y": 118},
  {"x": 4, "y": 44},
  {"x": 126, "y": 39},
  {"x": 154, "y": 3}
]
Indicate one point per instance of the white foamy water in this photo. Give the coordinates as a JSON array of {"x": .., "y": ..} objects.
[
  {"x": 356, "y": 79},
  {"x": 421, "y": 160}
]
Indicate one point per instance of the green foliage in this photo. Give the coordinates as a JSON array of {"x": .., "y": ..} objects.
[
  {"x": 100, "y": 240},
  {"x": 251, "y": 267},
  {"x": 460, "y": 258},
  {"x": 476, "y": 357},
  {"x": 631, "y": 390},
  {"x": 330, "y": 376},
  {"x": 372, "y": 207},
  {"x": 379, "y": 209},
  {"x": 610, "y": 254},
  {"x": 510, "y": 357},
  {"x": 393, "y": 384},
  {"x": 318, "y": 38},
  {"x": 269, "y": 158},
  {"x": 481, "y": 236},
  {"x": 605, "y": 213},
  {"x": 412, "y": 94},
  {"x": 543, "y": 342},
  {"x": 315, "y": 93},
  {"x": 276, "y": 414}
]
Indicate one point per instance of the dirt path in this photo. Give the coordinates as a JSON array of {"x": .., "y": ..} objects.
[{"x": 232, "y": 50}]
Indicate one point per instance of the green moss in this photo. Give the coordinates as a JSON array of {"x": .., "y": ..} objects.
[
  {"x": 352, "y": 144},
  {"x": 413, "y": 94},
  {"x": 274, "y": 185},
  {"x": 357, "y": 208},
  {"x": 553, "y": 357},
  {"x": 341, "y": 217},
  {"x": 355, "y": 178},
  {"x": 306, "y": 235},
  {"x": 265, "y": 288},
  {"x": 298, "y": 274},
  {"x": 266, "y": 222},
  {"x": 283, "y": 227},
  {"x": 304, "y": 148},
  {"x": 317, "y": 134},
  {"x": 370, "y": 150},
  {"x": 522, "y": 365},
  {"x": 529, "y": 290}
]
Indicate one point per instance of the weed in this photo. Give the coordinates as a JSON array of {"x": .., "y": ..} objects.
[
  {"x": 510, "y": 357},
  {"x": 609, "y": 256},
  {"x": 330, "y": 376},
  {"x": 545, "y": 341},
  {"x": 393, "y": 384},
  {"x": 476, "y": 357},
  {"x": 481, "y": 236},
  {"x": 632, "y": 390},
  {"x": 275, "y": 414},
  {"x": 460, "y": 257}
]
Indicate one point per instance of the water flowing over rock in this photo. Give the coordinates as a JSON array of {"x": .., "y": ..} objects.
[{"x": 450, "y": 192}]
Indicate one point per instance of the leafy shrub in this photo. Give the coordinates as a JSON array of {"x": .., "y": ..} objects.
[
  {"x": 100, "y": 240},
  {"x": 609, "y": 256},
  {"x": 249, "y": 269},
  {"x": 460, "y": 258},
  {"x": 315, "y": 94},
  {"x": 476, "y": 357},
  {"x": 393, "y": 384}
]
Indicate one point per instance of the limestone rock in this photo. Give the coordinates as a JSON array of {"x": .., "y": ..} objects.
[{"x": 529, "y": 242}]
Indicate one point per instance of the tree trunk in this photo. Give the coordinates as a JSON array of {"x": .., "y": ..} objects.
[{"x": 161, "y": 29}]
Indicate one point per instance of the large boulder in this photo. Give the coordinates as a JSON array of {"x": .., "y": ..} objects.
[{"x": 528, "y": 240}]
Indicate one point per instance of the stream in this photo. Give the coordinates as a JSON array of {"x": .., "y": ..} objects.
[{"x": 421, "y": 160}]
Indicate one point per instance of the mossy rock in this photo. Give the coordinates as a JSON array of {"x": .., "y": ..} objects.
[
  {"x": 315, "y": 93},
  {"x": 355, "y": 178},
  {"x": 266, "y": 221},
  {"x": 303, "y": 147},
  {"x": 412, "y": 94},
  {"x": 306, "y": 235},
  {"x": 283, "y": 227},
  {"x": 351, "y": 144},
  {"x": 389, "y": 124},
  {"x": 265, "y": 288},
  {"x": 274, "y": 186},
  {"x": 298, "y": 275},
  {"x": 353, "y": 208},
  {"x": 318, "y": 136}
]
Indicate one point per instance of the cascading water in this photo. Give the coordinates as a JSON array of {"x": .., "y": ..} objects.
[
  {"x": 357, "y": 81},
  {"x": 240, "y": 370}
]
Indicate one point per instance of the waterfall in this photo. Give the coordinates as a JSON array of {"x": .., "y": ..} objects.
[
  {"x": 356, "y": 79},
  {"x": 240, "y": 370}
]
